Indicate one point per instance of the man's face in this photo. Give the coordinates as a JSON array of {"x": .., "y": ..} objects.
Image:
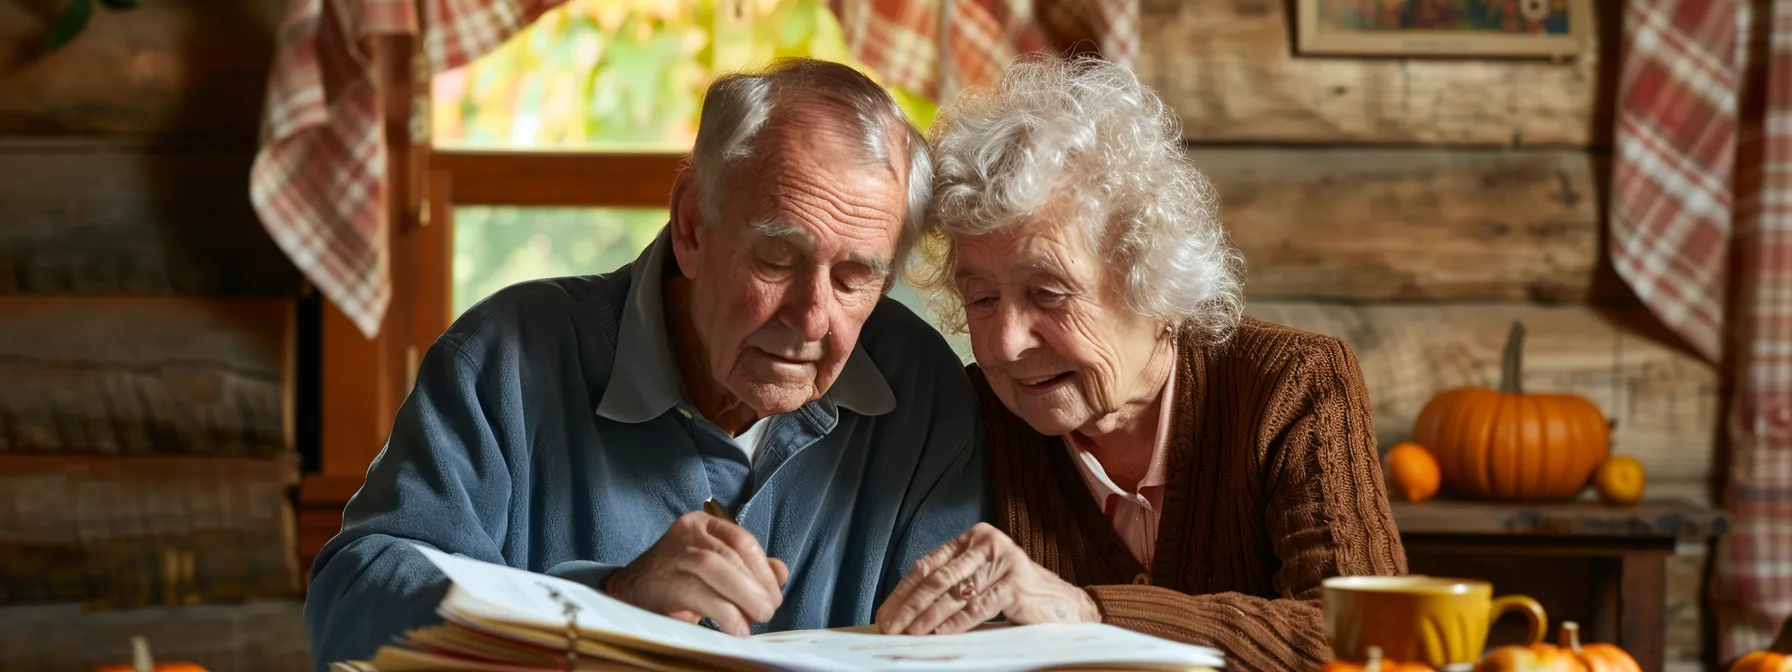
[{"x": 782, "y": 284}]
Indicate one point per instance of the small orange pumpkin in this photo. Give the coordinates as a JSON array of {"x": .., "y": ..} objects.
[
  {"x": 142, "y": 662},
  {"x": 1533, "y": 658},
  {"x": 1506, "y": 444},
  {"x": 1596, "y": 657},
  {"x": 1777, "y": 657},
  {"x": 1763, "y": 661},
  {"x": 1411, "y": 472},
  {"x": 1375, "y": 663},
  {"x": 158, "y": 667}
]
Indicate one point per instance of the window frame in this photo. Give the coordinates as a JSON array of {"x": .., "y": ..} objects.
[
  {"x": 362, "y": 381},
  {"x": 365, "y": 380}
]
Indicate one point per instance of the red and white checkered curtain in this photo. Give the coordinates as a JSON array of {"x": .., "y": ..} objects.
[
  {"x": 319, "y": 180},
  {"x": 938, "y": 47},
  {"x": 1701, "y": 229},
  {"x": 319, "y": 177}
]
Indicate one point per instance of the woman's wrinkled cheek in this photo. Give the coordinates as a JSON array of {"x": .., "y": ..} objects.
[{"x": 1098, "y": 359}]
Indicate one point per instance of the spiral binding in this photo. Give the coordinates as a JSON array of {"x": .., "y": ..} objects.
[{"x": 572, "y": 626}]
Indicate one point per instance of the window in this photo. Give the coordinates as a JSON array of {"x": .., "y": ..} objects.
[
  {"x": 497, "y": 246},
  {"x": 598, "y": 87}
]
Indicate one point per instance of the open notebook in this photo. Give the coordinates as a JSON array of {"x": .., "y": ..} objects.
[{"x": 501, "y": 619}]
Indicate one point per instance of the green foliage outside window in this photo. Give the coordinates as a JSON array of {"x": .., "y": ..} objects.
[
  {"x": 495, "y": 247},
  {"x": 627, "y": 75}
]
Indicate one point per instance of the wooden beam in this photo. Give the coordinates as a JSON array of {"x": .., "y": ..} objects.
[
  {"x": 193, "y": 69},
  {"x": 559, "y": 178},
  {"x": 264, "y": 636},
  {"x": 282, "y": 470},
  {"x": 96, "y": 216},
  {"x": 1411, "y": 224},
  {"x": 1230, "y": 70},
  {"x": 360, "y": 394},
  {"x": 329, "y": 489},
  {"x": 145, "y": 531},
  {"x": 141, "y": 375},
  {"x": 432, "y": 309},
  {"x": 1664, "y": 399}
]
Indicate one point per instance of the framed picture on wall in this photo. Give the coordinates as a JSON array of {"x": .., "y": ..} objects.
[{"x": 1534, "y": 28}]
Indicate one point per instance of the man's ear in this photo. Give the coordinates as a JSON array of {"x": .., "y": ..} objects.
[{"x": 687, "y": 217}]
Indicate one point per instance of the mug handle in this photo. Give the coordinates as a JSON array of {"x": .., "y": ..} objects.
[{"x": 1532, "y": 612}]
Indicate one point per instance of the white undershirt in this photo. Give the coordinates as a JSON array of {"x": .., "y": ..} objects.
[{"x": 748, "y": 440}]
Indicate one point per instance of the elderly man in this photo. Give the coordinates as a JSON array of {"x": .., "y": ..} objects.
[{"x": 577, "y": 426}]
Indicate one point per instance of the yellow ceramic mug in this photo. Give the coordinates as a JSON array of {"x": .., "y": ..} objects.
[{"x": 1436, "y": 621}]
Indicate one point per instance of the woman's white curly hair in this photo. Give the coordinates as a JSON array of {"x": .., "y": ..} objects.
[{"x": 1082, "y": 138}]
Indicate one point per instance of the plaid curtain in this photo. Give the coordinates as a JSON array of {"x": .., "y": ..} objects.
[
  {"x": 938, "y": 47},
  {"x": 1701, "y": 229},
  {"x": 319, "y": 183},
  {"x": 319, "y": 177}
]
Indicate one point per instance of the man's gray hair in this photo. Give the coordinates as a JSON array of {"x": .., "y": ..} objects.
[
  {"x": 1084, "y": 142},
  {"x": 738, "y": 105}
]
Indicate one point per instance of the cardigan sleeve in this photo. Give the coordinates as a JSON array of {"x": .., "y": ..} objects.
[{"x": 1327, "y": 516}]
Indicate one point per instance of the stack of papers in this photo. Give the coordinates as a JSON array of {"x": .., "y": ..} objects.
[{"x": 501, "y": 619}]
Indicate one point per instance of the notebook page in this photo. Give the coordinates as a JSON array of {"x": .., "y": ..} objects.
[
  {"x": 498, "y": 593},
  {"x": 488, "y": 591},
  {"x": 1000, "y": 649}
]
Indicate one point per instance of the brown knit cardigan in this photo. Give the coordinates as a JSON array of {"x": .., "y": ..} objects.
[{"x": 1273, "y": 484}]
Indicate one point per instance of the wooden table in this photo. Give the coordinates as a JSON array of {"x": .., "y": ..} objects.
[{"x": 1633, "y": 543}]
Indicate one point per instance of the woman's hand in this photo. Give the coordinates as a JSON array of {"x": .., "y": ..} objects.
[{"x": 974, "y": 577}]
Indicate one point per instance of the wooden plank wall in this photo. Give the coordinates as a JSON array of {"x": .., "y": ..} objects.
[
  {"x": 1416, "y": 207},
  {"x": 248, "y": 637},
  {"x": 147, "y": 337},
  {"x": 1229, "y": 69},
  {"x": 116, "y": 533}
]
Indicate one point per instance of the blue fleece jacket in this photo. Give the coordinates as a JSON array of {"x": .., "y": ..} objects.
[{"x": 548, "y": 431}]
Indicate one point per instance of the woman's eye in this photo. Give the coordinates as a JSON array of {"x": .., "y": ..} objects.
[
  {"x": 1049, "y": 298},
  {"x": 981, "y": 301}
]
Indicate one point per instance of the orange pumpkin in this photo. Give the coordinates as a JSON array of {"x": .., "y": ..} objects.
[
  {"x": 1375, "y": 663},
  {"x": 1533, "y": 658},
  {"x": 1506, "y": 444},
  {"x": 158, "y": 667},
  {"x": 1763, "y": 661},
  {"x": 1596, "y": 657},
  {"x": 142, "y": 662},
  {"x": 1776, "y": 658},
  {"x": 1411, "y": 472}
]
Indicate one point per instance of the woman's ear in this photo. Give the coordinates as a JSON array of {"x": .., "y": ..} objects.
[{"x": 687, "y": 217}]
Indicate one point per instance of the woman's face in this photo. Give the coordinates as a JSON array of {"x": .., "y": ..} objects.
[{"x": 1050, "y": 328}]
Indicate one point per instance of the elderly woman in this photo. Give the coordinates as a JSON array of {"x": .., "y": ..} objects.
[{"x": 1158, "y": 461}]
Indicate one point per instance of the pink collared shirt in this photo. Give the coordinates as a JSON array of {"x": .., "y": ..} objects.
[{"x": 1134, "y": 515}]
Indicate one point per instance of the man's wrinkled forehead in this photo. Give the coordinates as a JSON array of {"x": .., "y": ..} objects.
[{"x": 797, "y": 119}]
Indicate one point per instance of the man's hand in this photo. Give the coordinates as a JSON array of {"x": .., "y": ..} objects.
[
  {"x": 974, "y": 577},
  {"x": 704, "y": 566}
]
